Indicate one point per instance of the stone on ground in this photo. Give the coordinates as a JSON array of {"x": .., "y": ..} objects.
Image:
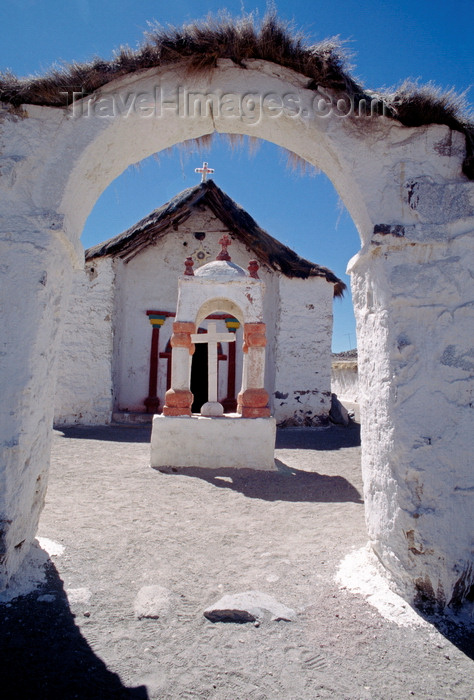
[
  {"x": 79, "y": 596},
  {"x": 249, "y": 606},
  {"x": 152, "y": 602}
]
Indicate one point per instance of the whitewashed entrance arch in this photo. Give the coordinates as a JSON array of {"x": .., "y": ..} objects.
[{"x": 415, "y": 213}]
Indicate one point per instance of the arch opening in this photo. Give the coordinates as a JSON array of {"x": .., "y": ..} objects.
[
  {"x": 398, "y": 185},
  {"x": 113, "y": 145}
]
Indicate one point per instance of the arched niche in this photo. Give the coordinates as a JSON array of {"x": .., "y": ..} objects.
[{"x": 217, "y": 306}]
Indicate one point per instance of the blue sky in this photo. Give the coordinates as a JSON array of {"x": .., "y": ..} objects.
[{"x": 389, "y": 41}]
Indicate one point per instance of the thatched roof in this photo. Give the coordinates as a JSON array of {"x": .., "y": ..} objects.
[
  {"x": 345, "y": 355},
  {"x": 167, "y": 218},
  {"x": 198, "y": 46}
]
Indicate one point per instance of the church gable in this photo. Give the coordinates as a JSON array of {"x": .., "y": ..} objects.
[
  {"x": 174, "y": 215},
  {"x": 196, "y": 237}
]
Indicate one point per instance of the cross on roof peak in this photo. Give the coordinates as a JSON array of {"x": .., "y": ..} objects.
[{"x": 205, "y": 171}]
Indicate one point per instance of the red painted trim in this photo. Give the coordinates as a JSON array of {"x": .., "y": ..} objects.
[
  {"x": 161, "y": 313},
  {"x": 152, "y": 402}
]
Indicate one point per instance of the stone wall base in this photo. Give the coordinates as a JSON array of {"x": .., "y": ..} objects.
[{"x": 227, "y": 441}]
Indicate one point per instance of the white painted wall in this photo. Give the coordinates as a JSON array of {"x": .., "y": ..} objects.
[
  {"x": 345, "y": 380},
  {"x": 416, "y": 369},
  {"x": 302, "y": 390},
  {"x": 84, "y": 392}
]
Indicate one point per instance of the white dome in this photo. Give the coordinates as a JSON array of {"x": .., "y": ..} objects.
[{"x": 220, "y": 269}]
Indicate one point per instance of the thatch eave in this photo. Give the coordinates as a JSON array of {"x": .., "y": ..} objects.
[
  {"x": 199, "y": 46},
  {"x": 241, "y": 225}
]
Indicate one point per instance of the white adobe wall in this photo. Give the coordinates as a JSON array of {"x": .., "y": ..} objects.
[
  {"x": 84, "y": 387},
  {"x": 345, "y": 380},
  {"x": 416, "y": 369},
  {"x": 302, "y": 391},
  {"x": 146, "y": 282}
]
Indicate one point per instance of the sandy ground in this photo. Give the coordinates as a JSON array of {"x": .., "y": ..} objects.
[{"x": 113, "y": 526}]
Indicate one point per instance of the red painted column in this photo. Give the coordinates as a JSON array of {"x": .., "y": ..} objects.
[
  {"x": 230, "y": 401},
  {"x": 152, "y": 402}
]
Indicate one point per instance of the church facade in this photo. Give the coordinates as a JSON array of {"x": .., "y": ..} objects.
[{"x": 115, "y": 361}]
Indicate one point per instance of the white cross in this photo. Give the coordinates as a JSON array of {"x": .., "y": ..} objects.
[
  {"x": 212, "y": 338},
  {"x": 205, "y": 171}
]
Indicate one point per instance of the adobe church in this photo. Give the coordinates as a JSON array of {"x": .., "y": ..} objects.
[{"x": 115, "y": 363}]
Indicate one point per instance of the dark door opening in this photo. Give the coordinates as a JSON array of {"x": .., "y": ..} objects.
[{"x": 199, "y": 377}]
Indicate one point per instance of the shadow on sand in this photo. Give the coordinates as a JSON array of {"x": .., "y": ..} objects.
[
  {"x": 107, "y": 433},
  {"x": 286, "y": 484},
  {"x": 457, "y": 630},
  {"x": 332, "y": 438},
  {"x": 45, "y": 657}
]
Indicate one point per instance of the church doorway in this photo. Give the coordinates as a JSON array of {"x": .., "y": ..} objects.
[
  {"x": 199, "y": 377},
  {"x": 226, "y": 369}
]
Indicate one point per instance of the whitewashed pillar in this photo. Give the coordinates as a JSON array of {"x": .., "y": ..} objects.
[
  {"x": 36, "y": 273},
  {"x": 253, "y": 399},
  {"x": 179, "y": 399},
  {"x": 415, "y": 320}
]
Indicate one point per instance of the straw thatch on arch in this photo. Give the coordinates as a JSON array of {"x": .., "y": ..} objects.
[
  {"x": 201, "y": 44},
  {"x": 241, "y": 225}
]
